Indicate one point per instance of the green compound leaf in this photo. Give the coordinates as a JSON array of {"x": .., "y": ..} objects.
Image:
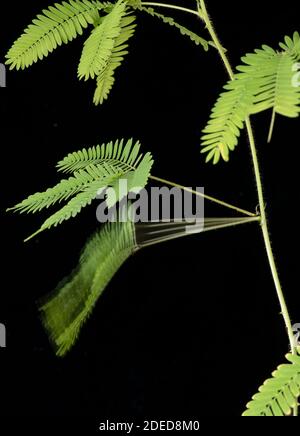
[
  {"x": 100, "y": 44},
  {"x": 278, "y": 395},
  {"x": 95, "y": 170},
  {"x": 57, "y": 25},
  {"x": 264, "y": 81},
  {"x": 198, "y": 40},
  {"x": 123, "y": 156},
  {"x": 227, "y": 119},
  {"x": 105, "y": 78},
  {"x": 65, "y": 311}
]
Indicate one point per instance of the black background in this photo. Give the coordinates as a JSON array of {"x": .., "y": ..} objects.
[{"x": 185, "y": 330}]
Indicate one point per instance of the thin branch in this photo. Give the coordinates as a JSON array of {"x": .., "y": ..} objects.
[
  {"x": 166, "y": 5},
  {"x": 207, "y": 197}
]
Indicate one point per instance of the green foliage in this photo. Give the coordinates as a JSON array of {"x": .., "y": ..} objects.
[
  {"x": 227, "y": 119},
  {"x": 103, "y": 51},
  {"x": 98, "y": 47},
  {"x": 135, "y": 3},
  {"x": 183, "y": 30},
  {"x": 264, "y": 81},
  {"x": 95, "y": 170},
  {"x": 125, "y": 157},
  {"x": 65, "y": 311},
  {"x": 105, "y": 78},
  {"x": 291, "y": 45},
  {"x": 105, "y": 48},
  {"x": 278, "y": 395},
  {"x": 57, "y": 25},
  {"x": 274, "y": 90}
]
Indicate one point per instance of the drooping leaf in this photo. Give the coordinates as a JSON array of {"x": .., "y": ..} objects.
[
  {"x": 105, "y": 78},
  {"x": 99, "y": 46},
  {"x": 65, "y": 311},
  {"x": 198, "y": 40}
]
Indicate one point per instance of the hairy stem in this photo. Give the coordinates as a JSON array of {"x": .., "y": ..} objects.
[
  {"x": 264, "y": 223},
  {"x": 207, "y": 197},
  {"x": 166, "y": 5},
  {"x": 267, "y": 240}
]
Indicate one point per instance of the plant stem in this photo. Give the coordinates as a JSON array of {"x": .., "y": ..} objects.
[
  {"x": 264, "y": 223},
  {"x": 207, "y": 197},
  {"x": 267, "y": 240},
  {"x": 203, "y": 14},
  {"x": 272, "y": 125},
  {"x": 165, "y": 5}
]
